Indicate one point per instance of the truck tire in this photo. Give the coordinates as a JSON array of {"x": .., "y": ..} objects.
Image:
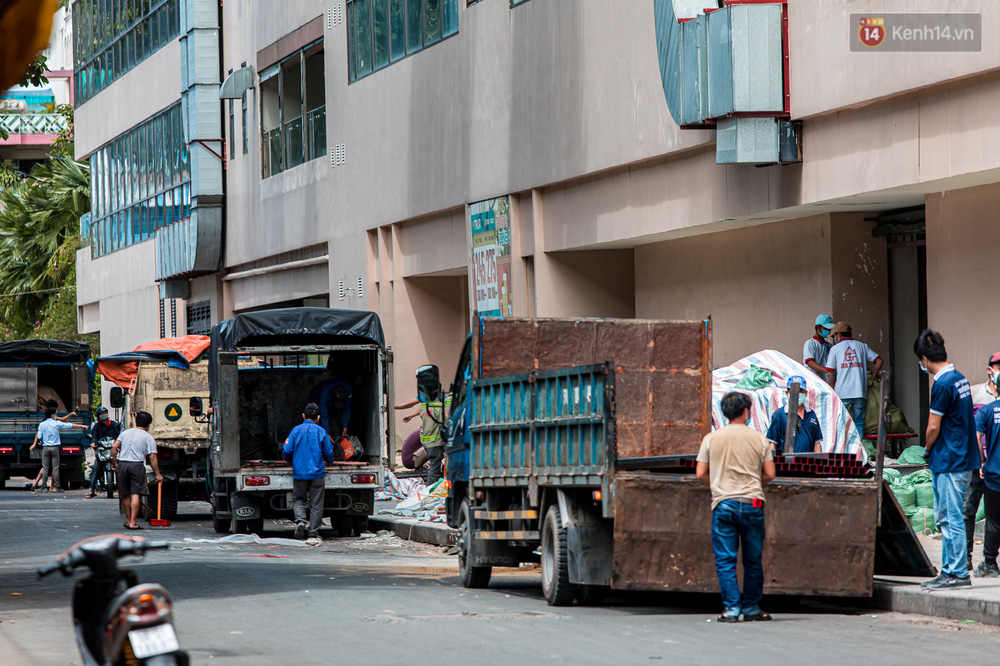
[
  {"x": 360, "y": 524},
  {"x": 475, "y": 577},
  {"x": 220, "y": 525},
  {"x": 556, "y": 587},
  {"x": 343, "y": 523},
  {"x": 168, "y": 505}
]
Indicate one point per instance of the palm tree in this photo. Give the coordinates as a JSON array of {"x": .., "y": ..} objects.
[{"x": 39, "y": 222}]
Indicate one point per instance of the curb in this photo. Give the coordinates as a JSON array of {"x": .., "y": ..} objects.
[
  {"x": 436, "y": 534},
  {"x": 908, "y": 598}
]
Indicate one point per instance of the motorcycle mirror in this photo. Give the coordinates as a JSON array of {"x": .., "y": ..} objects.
[
  {"x": 117, "y": 398},
  {"x": 195, "y": 406}
]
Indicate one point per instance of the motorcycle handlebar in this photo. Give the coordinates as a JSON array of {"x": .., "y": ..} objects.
[
  {"x": 45, "y": 571},
  {"x": 123, "y": 545}
]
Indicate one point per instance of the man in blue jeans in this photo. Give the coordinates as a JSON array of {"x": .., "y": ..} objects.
[
  {"x": 951, "y": 452},
  {"x": 735, "y": 462}
]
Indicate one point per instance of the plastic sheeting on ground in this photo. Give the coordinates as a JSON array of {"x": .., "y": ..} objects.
[
  {"x": 245, "y": 539},
  {"x": 839, "y": 433},
  {"x": 423, "y": 504},
  {"x": 397, "y": 488}
]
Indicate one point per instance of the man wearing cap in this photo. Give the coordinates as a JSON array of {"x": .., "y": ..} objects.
[
  {"x": 103, "y": 428},
  {"x": 986, "y": 408},
  {"x": 816, "y": 348},
  {"x": 847, "y": 369},
  {"x": 309, "y": 449},
  {"x": 809, "y": 436}
]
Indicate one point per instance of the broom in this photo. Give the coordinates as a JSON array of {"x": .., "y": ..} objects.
[{"x": 159, "y": 521}]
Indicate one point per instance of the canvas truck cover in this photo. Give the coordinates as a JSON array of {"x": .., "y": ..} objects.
[
  {"x": 44, "y": 351},
  {"x": 294, "y": 326},
  {"x": 176, "y": 352}
]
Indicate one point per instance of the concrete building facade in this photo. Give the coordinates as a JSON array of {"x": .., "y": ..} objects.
[{"x": 356, "y": 152}]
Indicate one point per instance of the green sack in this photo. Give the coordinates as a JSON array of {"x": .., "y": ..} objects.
[
  {"x": 923, "y": 520},
  {"x": 981, "y": 513},
  {"x": 907, "y": 498},
  {"x": 754, "y": 378},
  {"x": 912, "y": 455},
  {"x": 891, "y": 475},
  {"x": 925, "y": 495},
  {"x": 895, "y": 421},
  {"x": 918, "y": 477}
]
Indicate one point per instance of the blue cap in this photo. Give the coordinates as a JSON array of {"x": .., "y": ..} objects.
[
  {"x": 799, "y": 379},
  {"x": 824, "y": 320}
]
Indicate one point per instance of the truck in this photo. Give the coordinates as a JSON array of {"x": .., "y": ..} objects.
[
  {"x": 263, "y": 367},
  {"x": 31, "y": 373},
  {"x": 571, "y": 443},
  {"x": 168, "y": 378}
]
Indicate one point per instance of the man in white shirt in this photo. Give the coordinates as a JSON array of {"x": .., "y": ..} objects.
[
  {"x": 847, "y": 369},
  {"x": 128, "y": 459}
]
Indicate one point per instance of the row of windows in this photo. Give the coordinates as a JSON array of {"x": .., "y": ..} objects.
[
  {"x": 140, "y": 182},
  {"x": 292, "y": 111},
  {"x": 380, "y": 32},
  {"x": 113, "y": 36}
]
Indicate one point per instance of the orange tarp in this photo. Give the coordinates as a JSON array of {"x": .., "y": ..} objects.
[{"x": 123, "y": 372}]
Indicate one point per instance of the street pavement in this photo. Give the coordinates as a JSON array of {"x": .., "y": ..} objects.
[{"x": 383, "y": 600}]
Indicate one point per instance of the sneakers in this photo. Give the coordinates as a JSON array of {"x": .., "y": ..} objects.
[
  {"x": 987, "y": 570},
  {"x": 946, "y": 582},
  {"x": 300, "y": 531}
]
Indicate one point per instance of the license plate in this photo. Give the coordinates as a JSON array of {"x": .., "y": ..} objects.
[
  {"x": 35, "y": 453},
  {"x": 160, "y": 639}
]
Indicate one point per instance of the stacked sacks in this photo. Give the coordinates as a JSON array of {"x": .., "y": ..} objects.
[{"x": 915, "y": 495}]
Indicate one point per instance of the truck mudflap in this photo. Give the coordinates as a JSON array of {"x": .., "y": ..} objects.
[{"x": 820, "y": 535}]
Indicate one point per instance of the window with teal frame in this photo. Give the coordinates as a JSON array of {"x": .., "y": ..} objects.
[
  {"x": 139, "y": 182},
  {"x": 110, "y": 37},
  {"x": 381, "y": 32}
]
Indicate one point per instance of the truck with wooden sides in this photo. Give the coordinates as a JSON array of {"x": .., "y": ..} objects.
[
  {"x": 263, "y": 369},
  {"x": 577, "y": 437},
  {"x": 32, "y": 372}
]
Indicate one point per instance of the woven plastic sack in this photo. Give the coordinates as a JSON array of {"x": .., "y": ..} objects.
[
  {"x": 892, "y": 476},
  {"x": 981, "y": 513},
  {"x": 912, "y": 455},
  {"x": 754, "y": 378},
  {"x": 921, "y": 476},
  {"x": 923, "y": 519},
  {"x": 925, "y": 495},
  {"x": 907, "y": 498}
]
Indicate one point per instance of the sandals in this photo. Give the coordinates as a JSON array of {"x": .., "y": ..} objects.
[
  {"x": 760, "y": 616},
  {"x": 90, "y": 496},
  {"x": 137, "y": 527},
  {"x": 728, "y": 618}
]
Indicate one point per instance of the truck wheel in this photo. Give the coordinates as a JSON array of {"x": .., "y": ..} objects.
[
  {"x": 556, "y": 587},
  {"x": 471, "y": 576},
  {"x": 168, "y": 505},
  {"x": 591, "y": 595},
  {"x": 254, "y": 526},
  {"x": 360, "y": 524},
  {"x": 343, "y": 523},
  {"x": 220, "y": 525}
]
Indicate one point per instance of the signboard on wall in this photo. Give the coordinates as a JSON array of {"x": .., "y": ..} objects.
[{"x": 490, "y": 221}]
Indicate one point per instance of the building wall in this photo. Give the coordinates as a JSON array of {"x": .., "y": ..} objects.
[
  {"x": 860, "y": 280},
  {"x": 763, "y": 287},
  {"x": 963, "y": 234}
]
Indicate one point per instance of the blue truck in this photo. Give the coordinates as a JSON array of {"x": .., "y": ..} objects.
[
  {"x": 33, "y": 372},
  {"x": 571, "y": 443}
]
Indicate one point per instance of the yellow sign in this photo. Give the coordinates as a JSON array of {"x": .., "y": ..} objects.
[{"x": 173, "y": 412}]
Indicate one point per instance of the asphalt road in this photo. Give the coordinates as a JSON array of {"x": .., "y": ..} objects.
[{"x": 386, "y": 601}]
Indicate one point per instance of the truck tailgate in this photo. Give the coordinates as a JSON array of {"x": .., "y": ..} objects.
[
  {"x": 279, "y": 476},
  {"x": 820, "y": 535}
]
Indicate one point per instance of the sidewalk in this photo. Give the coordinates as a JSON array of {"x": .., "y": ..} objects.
[
  {"x": 981, "y": 602},
  {"x": 411, "y": 529}
]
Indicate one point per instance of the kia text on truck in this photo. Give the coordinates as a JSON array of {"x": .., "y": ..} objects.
[
  {"x": 263, "y": 366},
  {"x": 31, "y": 373}
]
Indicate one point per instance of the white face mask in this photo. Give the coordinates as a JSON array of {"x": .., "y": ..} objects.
[{"x": 995, "y": 378}]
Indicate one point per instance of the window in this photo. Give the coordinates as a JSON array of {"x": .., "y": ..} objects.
[
  {"x": 232, "y": 128},
  {"x": 243, "y": 102},
  {"x": 381, "y": 32},
  {"x": 293, "y": 111},
  {"x": 140, "y": 182},
  {"x": 515, "y": 3},
  {"x": 110, "y": 38}
]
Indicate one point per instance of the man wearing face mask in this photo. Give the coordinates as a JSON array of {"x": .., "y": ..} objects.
[
  {"x": 816, "y": 348},
  {"x": 952, "y": 453},
  {"x": 982, "y": 395}
]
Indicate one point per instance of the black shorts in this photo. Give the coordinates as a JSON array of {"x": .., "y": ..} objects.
[{"x": 132, "y": 478}]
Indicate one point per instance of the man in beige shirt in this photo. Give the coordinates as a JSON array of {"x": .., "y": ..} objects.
[{"x": 735, "y": 462}]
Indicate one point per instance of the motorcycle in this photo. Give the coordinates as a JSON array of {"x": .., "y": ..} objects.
[
  {"x": 104, "y": 456},
  {"x": 117, "y": 620}
]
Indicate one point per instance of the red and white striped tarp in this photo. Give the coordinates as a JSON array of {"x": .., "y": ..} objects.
[{"x": 839, "y": 433}]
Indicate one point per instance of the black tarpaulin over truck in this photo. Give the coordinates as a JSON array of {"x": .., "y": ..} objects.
[
  {"x": 294, "y": 326},
  {"x": 41, "y": 351}
]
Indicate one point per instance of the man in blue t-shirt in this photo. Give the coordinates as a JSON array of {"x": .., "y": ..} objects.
[
  {"x": 809, "y": 436},
  {"x": 951, "y": 452},
  {"x": 309, "y": 449},
  {"x": 988, "y": 427}
]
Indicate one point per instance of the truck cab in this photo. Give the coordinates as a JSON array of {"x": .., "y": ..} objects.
[{"x": 31, "y": 373}]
